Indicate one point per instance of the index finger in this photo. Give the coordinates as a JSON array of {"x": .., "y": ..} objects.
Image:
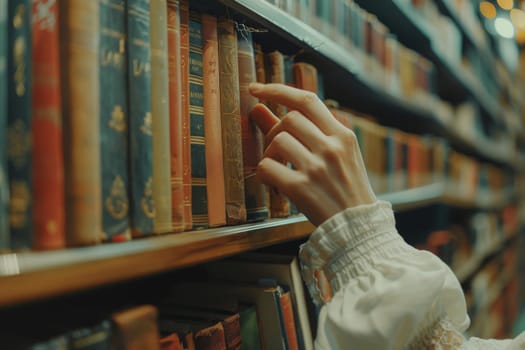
[{"x": 305, "y": 102}]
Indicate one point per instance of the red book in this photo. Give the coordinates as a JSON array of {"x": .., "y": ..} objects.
[
  {"x": 289, "y": 321},
  {"x": 171, "y": 342},
  {"x": 185, "y": 101},
  {"x": 176, "y": 122},
  {"x": 48, "y": 162}
]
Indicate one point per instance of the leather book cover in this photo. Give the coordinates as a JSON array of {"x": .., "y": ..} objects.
[
  {"x": 160, "y": 113},
  {"x": 252, "y": 138},
  {"x": 231, "y": 123},
  {"x": 79, "y": 41},
  {"x": 97, "y": 337},
  {"x": 19, "y": 139},
  {"x": 260, "y": 66},
  {"x": 279, "y": 203},
  {"x": 185, "y": 101},
  {"x": 232, "y": 332},
  {"x": 305, "y": 76},
  {"x": 199, "y": 195},
  {"x": 175, "y": 104},
  {"x": 212, "y": 123},
  {"x": 136, "y": 328},
  {"x": 114, "y": 121},
  {"x": 210, "y": 338},
  {"x": 168, "y": 326},
  {"x": 4, "y": 185},
  {"x": 140, "y": 142},
  {"x": 171, "y": 342},
  {"x": 289, "y": 320},
  {"x": 48, "y": 162}
]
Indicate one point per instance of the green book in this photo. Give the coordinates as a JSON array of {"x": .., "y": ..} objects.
[
  {"x": 250, "y": 336},
  {"x": 4, "y": 186}
]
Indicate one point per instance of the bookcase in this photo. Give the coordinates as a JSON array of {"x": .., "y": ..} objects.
[{"x": 496, "y": 141}]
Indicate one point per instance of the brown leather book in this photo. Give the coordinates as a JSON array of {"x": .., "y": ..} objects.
[
  {"x": 160, "y": 114},
  {"x": 210, "y": 338},
  {"x": 171, "y": 342},
  {"x": 289, "y": 320},
  {"x": 231, "y": 123},
  {"x": 279, "y": 203},
  {"x": 305, "y": 76},
  {"x": 252, "y": 138},
  {"x": 185, "y": 102},
  {"x": 175, "y": 105},
  {"x": 212, "y": 123},
  {"x": 232, "y": 332},
  {"x": 136, "y": 328},
  {"x": 79, "y": 23}
]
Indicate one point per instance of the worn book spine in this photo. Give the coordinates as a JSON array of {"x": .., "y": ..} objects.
[
  {"x": 4, "y": 185},
  {"x": 97, "y": 337},
  {"x": 140, "y": 119},
  {"x": 279, "y": 203},
  {"x": 171, "y": 342},
  {"x": 48, "y": 162},
  {"x": 252, "y": 138},
  {"x": 114, "y": 121},
  {"x": 232, "y": 332},
  {"x": 136, "y": 328},
  {"x": 160, "y": 113},
  {"x": 289, "y": 320},
  {"x": 174, "y": 76},
  {"x": 79, "y": 41},
  {"x": 231, "y": 123},
  {"x": 210, "y": 338},
  {"x": 212, "y": 123},
  {"x": 19, "y": 139},
  {"x": 199, "y": 195},
  {"x": 185, "y": 102}
]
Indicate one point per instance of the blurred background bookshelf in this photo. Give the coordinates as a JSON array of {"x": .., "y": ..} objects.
[{"x": 434, "y": 91}]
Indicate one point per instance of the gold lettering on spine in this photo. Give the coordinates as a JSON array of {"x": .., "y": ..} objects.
[
  {"x": 117, "y": 202},
  {"x": 19, "y": 143},
  {"x": 146, "y": 127},
  {"x": 19, "y": 51},
  {"x": 140, "y": 68},
  {"x": 147, "y": 200},
  {"x": 44, "y": 16},
  {"x": 118, "y": 120},
  {"x": 18, "y": 204}
]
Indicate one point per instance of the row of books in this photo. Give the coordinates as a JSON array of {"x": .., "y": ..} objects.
[
  {"x": 253, "y": 301},
  {"x": 396, "y": 160}
]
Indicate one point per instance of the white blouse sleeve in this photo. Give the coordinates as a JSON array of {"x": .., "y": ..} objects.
[{"x": 377, "y": 292}]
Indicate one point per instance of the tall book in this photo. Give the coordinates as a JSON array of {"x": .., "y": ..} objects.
[
  {"x": 19, "y": 143},
  {"x": 185, "y": 101},
  {"x": 210, "y": 338},
  {"x": 4, "y": 185},
  {"x": 231, "y": 123},
  {"x": 252, "y": 138},
  {"x": 212, "y": 123},
  {"x": 79, "y": 43},
  {"x": 48, "y": 162},
  {"x": 140, "y": 120},
  {"x": 114, "y": 120},
  {"x": 160, "y": 113},
  {"x": 136, "y": 328},
  {"x": 174, "y": 76},
  {"x": 279, "y": 203},
  {"x": 199, "y": 195}
]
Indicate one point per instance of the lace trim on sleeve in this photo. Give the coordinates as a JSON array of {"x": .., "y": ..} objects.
[{"x": 441, "y": 335}]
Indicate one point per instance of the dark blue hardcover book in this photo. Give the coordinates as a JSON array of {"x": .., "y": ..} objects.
[
  {"x": 114, "y": 120},
  {"x": 140, "y": 121},
  {"x": 4, "y": 185},
  {"x": 199, "y": 204},
  {"x": 19, "y": 151}
]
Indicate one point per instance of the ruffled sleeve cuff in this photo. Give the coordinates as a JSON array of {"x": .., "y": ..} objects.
[{"x": 347, "y": 245}]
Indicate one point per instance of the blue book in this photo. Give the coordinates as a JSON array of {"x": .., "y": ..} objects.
[
  {"x": 4, "y": 186},
  {"x": 142, "y": 210},
  {"x": 19, "y": 160}
]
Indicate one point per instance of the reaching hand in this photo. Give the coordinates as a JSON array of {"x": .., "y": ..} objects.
[{"x": 329, "y": 174}]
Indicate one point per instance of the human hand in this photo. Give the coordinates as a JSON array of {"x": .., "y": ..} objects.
[{"x": 329, "y": 173}]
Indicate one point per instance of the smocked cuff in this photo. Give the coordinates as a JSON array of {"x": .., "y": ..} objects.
[{"x": 347, "y": 245}]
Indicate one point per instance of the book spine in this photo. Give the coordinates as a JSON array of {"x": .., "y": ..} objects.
[
  {"x": 136, "y": 328},
  {"x": 199, "y": 195},
  {"x": 231, "y": 123},
  {"x": 160, "y": 113},
  {"x": 232, "y": 332},
  {"x": 252, "y": 138},
  {"x": 210, "y": 338},
  {"x": 114, "y": 121},
  {"x": 97, "y": 337},
  {"x": 212, "y": 123},
  {"x": 171, "y": 342},
  {"x": 140, "y": 120},
  {"x": 185, "y": 102},
  {"x": 48, "y": 162},
  {"x": 4, "y": 185},
  {"x": 289, "y": 321},
  {"x": 250, "y": 336},
  {"x": 19, "y": 149},
  {"x": 80, "y": 106},
  {"x": 177, "y": 192}
]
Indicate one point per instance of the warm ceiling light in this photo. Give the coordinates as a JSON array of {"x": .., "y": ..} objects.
[
  {"x": 506, "y": 4},
  {"x": 518, "y": 18},
  {"x": 504, "y": 27},
  {"x": 487, "y": 9}
]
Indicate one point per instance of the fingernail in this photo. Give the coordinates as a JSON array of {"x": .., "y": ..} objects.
[{"x": 255, "y": 87}]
